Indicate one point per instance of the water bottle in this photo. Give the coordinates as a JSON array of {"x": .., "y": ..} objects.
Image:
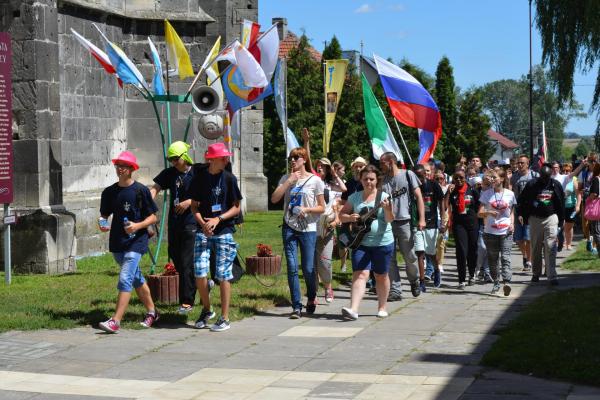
[
  {"x": 126, "y": 223},
  {"x": 573, "y": 214}
]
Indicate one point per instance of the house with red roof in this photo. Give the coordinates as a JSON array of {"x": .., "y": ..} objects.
[
  {"x": 503, "y": 147},
  {"x": 288, "y": 40}
]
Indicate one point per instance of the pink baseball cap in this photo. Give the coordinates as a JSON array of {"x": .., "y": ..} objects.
[
  {"x": 127, "y": 157},
  {"x": 217, "y": 150}
]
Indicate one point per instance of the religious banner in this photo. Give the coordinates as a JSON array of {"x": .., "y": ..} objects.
[
  {"x": 6, "y": 145},
  {"x": 335, "y": 75}
]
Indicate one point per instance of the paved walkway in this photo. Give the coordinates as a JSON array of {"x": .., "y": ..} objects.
[{"x": 428, "y": 348}]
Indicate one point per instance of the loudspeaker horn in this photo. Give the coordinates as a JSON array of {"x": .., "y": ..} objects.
[{"x": 205, "y": 100}]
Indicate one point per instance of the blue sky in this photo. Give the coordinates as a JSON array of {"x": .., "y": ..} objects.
[{"x": 485, "y": 40}]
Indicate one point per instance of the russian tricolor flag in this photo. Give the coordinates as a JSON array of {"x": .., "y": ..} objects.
[{"x": 411, "y": 104}]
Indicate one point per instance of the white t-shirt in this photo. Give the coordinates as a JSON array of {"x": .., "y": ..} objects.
[
  {"x": 303, "y": 194},
  {"x": 502, "y": 202}
]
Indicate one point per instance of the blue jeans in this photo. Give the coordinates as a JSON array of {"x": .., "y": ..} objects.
[
  {"x": 307, "y": 242},
  {"x": 130, "y": 276}
]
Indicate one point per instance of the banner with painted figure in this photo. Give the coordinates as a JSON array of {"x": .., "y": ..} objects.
[{"x": 335, "y": 75}]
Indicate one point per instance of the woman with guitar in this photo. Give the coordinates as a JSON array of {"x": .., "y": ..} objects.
[{"x": 370, "y": 213}]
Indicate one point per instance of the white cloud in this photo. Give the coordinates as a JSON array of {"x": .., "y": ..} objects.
[{"x": 365, "y": 8}]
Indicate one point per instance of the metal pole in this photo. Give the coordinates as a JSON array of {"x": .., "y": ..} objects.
[
  {"x": 530, "y": 90},
  {"x": 404, "y": 143},
  {"x": 284, "y": 122},
  {"x": 7, "y": 258}
]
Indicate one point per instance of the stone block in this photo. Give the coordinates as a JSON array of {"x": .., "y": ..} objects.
[
  {"x": 140, "y": 5},
  {"x": 54, "y": 96},
  {"x": 25, "y": 156},
  {"x": 44, "y": 242},
  {"x": 48, "y": 126},
  {"x": 25, "y": 95},
  {"x": 26, "y": 26},
  {"x": 51, "y": 23},
  {"x": 46, "y": 60},
  {"x": 139, "y": 109}
]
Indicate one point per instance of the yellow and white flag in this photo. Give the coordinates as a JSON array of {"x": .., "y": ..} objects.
[
  {"x": 179, "y": 59},
  {"x": 335, "y": 74},
  {"x": 212, "y": 72}
]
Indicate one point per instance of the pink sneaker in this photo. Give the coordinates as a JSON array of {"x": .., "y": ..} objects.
[
  {"x": 150, "y": 319},
  {"x": 110, "y": 326},
  {"x": 329, "y": 294}
]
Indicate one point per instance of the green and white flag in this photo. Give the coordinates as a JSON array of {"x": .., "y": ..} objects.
[{"x": 380, "y": 133}]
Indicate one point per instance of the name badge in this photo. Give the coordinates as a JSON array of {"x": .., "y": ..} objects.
[{"x": 216, "y": 208}]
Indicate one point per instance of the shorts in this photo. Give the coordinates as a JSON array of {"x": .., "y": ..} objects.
[
  {"x": 521, "y": 231},
  {"x": 225, "y": 249},
  {"x": 570, "y": 214},
  {"x": 376, "y": 259},
  {"x": 130, "y": 276},
  {"x": 426, "y": 241}
]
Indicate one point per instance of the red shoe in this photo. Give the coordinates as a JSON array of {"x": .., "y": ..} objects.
[{"x": 150, "y": 319}]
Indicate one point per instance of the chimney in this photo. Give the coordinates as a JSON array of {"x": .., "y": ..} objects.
[{"x": 281, "y": 27}]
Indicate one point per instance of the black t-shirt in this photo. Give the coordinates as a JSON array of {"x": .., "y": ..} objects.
[
  {"x": 179, "y": 185},
  {"x": 353, "y": 186},
  {"x": 542, "y": 204},
  {"x": 471, "y": 206},
  {"x": 134, "y": 203},
  {"x": 432, "y": 194},
  {"x": 216, "y": 194},
  {"x": 595, "y": 187}
]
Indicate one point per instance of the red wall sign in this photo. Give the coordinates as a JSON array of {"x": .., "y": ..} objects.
[{"x": 6, "y": 147}]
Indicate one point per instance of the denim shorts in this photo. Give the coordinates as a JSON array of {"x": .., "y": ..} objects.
[
  {"x": 521, "y": 231},
  {"x": 225, "y": 249},
  {"x": 130, "y": 276},
  {"x": 376, "y": 259}
]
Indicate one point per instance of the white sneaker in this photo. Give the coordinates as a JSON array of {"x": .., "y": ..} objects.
[
  {"x": 349, "y": 313},
  {"x": 461, "y": 286},
  {"x": 382, "y": 314}
]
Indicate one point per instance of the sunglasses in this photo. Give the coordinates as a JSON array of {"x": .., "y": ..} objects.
[
  {"x": 521, "y": 162},
  {"x": 459, "y": 178},
  {"x": 122, "y": 166},
  {"x": 294, "y": 158},
  {"x": 173, "y": 159}
]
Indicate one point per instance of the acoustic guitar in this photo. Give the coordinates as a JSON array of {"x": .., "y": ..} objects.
[{"x": 352, "y": 233}]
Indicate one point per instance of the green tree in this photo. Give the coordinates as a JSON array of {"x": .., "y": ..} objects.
[
  {"x": 570, "y": 40},
  {"x": 305, "y": 109},
  {"x": 445, "y": 97},
  {"x": 583, "y": 148},
  {"x": 473, "y": 127},
  {"x": 507, "y": 104},
  {"x": 333, "y": 50}
]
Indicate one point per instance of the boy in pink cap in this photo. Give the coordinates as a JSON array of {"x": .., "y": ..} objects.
[
  {"x": 133, "y": 210},
  {"x": 216, "y": 202}
]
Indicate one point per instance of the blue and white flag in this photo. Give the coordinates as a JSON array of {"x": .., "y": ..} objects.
[{"x": 157, "y": 81}]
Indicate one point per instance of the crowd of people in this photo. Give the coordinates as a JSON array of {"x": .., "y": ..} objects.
[
  {"x": 382, "y": 208},
  {"x": 484, "y": 206}
]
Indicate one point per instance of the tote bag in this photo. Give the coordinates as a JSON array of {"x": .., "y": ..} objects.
[{"x": 592, "y": 209}]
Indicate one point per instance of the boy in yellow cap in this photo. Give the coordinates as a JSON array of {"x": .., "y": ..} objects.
[{"x": 182, "y": 225}]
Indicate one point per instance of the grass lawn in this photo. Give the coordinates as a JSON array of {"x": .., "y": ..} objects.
[
  {"x": 582, "y": 260},
  {"x": 88, "y": 296},
  {"x": 557, "y": 335}
]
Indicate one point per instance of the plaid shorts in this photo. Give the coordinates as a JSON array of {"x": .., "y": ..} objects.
[{"x": 225, "y": 249}]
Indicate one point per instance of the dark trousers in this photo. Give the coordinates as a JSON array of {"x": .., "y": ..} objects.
[
  {"x": 465, "y": 236},
  {"x": 181, "y": 251}
]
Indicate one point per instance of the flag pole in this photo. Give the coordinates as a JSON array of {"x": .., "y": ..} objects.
[
  {"x": 204, "y": 68},
  {"x": 404, "y": 143},
  {"x": 325, "y": 105},
  {"x": 285, "y": 119}
]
